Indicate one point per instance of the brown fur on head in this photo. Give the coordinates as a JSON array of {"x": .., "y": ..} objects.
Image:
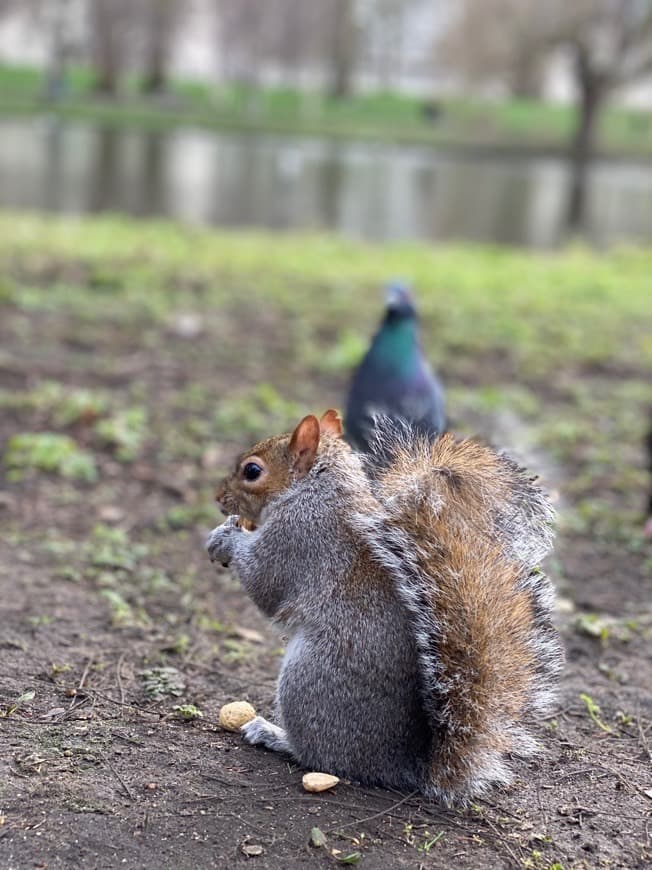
[{"x": 271, "y": 466}]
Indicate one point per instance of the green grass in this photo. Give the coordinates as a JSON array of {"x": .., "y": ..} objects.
[
  {"x": 562, "y": 341},
  {"x": 542, "y": 309},
  {"x": 513, "y": 124}
]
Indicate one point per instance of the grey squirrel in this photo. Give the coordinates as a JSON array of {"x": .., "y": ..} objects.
[{"x": 419, "y": 623}]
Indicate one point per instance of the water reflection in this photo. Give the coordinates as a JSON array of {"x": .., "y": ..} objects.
[{"x": 369, "y": 191}]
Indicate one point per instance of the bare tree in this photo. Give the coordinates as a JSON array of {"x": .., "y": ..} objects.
[
  {"x": 497, "y": 40},
  {"x": 611, "y": 46},
  {"x": 344, "y": 48},
  {"x": 609, "y": 42},
  {"x": 241, "y": 39},
  {"x": 58, "y": 13},
  {"x": 160, "y": 18},
  {"x": 109, "y": 29}
]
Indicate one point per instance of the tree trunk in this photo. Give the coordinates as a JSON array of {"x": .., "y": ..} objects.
[
  {"x": 344, "y": 48},
  {"x": 160, "y": 25},
  {"x": 104, "y": 48},
  {"x": 593, "y": 90},
  {"x": 592, "y": 93},
  {"x": 526, "y": 78}
]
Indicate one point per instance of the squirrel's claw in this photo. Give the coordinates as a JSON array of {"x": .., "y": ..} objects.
[{"x": 220, "y": 541}]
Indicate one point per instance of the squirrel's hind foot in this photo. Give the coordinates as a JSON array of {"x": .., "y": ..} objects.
[{"x": 260, "y": 732}]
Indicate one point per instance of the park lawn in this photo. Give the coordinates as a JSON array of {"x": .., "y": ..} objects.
[
  {"x": 136, "y": 358},
  {"x": 465, "y": 124}
]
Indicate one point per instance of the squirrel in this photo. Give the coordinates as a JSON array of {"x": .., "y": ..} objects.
[{"x": 419, "y": 622}]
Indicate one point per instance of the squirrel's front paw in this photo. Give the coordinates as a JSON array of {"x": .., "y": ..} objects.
[{"x": 220, "y": 541}]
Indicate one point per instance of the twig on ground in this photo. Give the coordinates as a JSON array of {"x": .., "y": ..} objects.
[
  {"x": 124, "y": 704},
  {"x": 81, "y": 682},
  {"x": 503, "y": 842},
  {"x": 124, "y": 785},
  {"x": 385, "y": 812},
  {"x": 118, "y": 674}
]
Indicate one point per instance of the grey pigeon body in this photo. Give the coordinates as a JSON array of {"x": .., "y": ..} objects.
[
  {"x": 394, "y": 379},
  {"x": 647, "y": 531}
]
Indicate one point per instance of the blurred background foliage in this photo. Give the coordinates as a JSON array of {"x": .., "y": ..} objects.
[
  {"x": 370, "y": 128},
  {"x": 512, "y": 99}
]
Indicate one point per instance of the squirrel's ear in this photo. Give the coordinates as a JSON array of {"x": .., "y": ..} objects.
[
  {"x": 331, "y": 422},
  {"x": 303, "y": 445}
]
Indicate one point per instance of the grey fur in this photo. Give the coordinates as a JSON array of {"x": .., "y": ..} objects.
[{"x": 260, "y": 732}]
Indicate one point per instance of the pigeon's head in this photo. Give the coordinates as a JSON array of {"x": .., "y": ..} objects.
[{"x": 399, "y": 302}]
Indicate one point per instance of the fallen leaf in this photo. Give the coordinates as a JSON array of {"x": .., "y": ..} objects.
[
  {"x": 249, "y": 634},
  {"x": 353, "y": 858},
  {"x": 252, "y": 849},
  {"x": 317, "y": 837}
]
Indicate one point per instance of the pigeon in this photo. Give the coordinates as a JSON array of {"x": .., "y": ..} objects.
[
  {"x": 647, "y": 529},
  {"x": 394, "y": 380}
]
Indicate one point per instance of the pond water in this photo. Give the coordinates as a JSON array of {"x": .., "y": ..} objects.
[{"x": 376, "y": 192}]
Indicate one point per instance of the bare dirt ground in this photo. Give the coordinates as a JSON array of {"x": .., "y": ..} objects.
[{"x": 111, "y": 616}]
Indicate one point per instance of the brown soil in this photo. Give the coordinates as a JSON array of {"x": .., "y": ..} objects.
[{"x": 95, "y": 773}]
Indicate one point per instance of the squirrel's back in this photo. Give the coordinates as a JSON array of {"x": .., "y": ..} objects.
[{"x": 480, "y": 606}]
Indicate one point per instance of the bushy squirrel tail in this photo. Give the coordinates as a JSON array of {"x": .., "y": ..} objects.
[{"x": 464, "y": 532}]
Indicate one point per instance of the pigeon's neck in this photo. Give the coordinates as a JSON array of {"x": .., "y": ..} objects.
[{"x": 397, "y": 345}]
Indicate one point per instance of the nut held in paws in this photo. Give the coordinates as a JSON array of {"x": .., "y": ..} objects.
[
  {"x": 319, "y": 781},
  {"x": 233, "y": 716}
]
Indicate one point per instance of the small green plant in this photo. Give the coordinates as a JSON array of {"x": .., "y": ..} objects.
[
  {"x": 317, "y": 838},
  {"x": 188, "y": 711},
  {"x": 429, "y": 842},
  {"x": 351, "y": 858},
  {"x": 49, "y": 452},
  {"x": 122, "y": 613},
  {"x": 20, "y": 701},
  {"x": 125, "y": 431},
  {"x": 593, "y": 625},
  {"x": 80, "y": 406},
  {"x": 593, "y": 710},
  {"x": 65, "y": 405},
  {"x": 159, "y": 682},
  {"x": 236, "y": 652},
  {"x": 110, "y": 548}
]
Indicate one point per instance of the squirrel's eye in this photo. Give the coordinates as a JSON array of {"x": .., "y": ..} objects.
[{"x": 252, "y": 471}]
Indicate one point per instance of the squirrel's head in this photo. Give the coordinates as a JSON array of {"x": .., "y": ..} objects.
[{"x": 271, "y": 466}]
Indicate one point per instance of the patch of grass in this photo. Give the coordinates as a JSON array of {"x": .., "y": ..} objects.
[
  {"x": 125, "y": 431},
  {"x": 253, "y": 411},
  {"x": 593, "y": 710},
  {"x": 551, "y": 339},
  {"x": 123, "y": 614},
  {"x": 380, "y": 115},
  {"x": 62, "y": 405},
  {"x": 20, "y": 702},
  {"x": 201, "y": 513},
  {"x": 50, "y": 452},
  {"x": 188, "y": 712},
  {"x": 159, "y": 682},
  {"x": 539, "y": 311}
]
